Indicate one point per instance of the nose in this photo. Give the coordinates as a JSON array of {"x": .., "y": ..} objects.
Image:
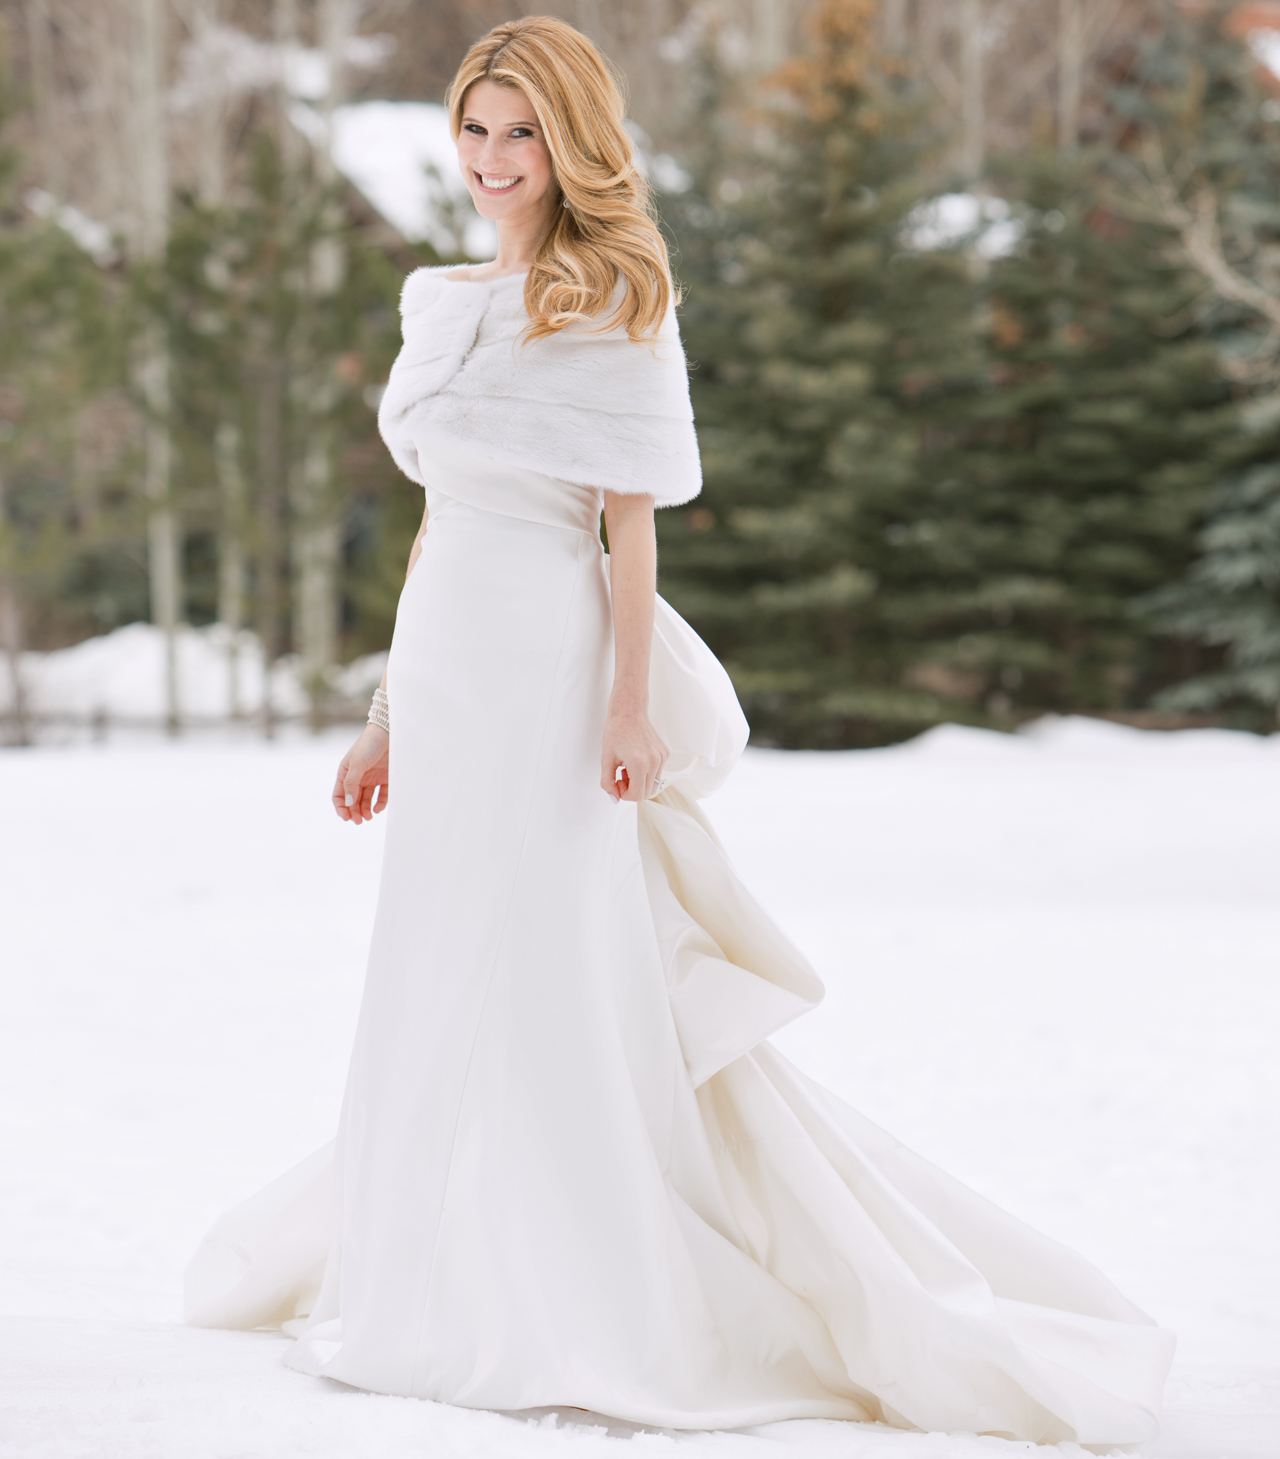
[{"x": 490, "y": 159}]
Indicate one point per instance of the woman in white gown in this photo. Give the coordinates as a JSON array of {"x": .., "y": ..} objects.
[{"x": 570, "y": 1170}]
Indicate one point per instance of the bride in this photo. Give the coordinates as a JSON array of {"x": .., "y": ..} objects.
[{"x": 570, "y": 1170}]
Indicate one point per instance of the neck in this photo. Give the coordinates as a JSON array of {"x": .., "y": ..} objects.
[{"x": 520, "y": 238}]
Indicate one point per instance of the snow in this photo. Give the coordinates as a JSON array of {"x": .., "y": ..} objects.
[
  {"x": 985, "y": 223},
  {"x": 220, "y": 62},
  {"x": 401, "y": 156},
  {"x": 1051, "y": 961},
  {"x": 1265, "y": 45},
  {"x": 119, "y": 677},
  {"x": 91, "y": 235}
]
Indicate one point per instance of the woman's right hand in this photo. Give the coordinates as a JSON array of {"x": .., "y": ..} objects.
[{"x": 362, "y": 772}]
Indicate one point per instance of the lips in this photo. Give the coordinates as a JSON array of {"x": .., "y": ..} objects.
[{"x": 491, "y": 183}]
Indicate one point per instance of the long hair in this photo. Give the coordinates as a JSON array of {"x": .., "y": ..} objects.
[{"x": 605, "y": 230}]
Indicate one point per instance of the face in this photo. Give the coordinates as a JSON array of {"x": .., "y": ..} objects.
[{"x": 503, "y": 155}]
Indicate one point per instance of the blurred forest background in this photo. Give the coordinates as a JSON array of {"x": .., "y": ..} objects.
[{"x": 982, "y": 310}]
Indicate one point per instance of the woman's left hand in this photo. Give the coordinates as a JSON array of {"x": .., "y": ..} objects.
[{"x": 631, "y": 744}]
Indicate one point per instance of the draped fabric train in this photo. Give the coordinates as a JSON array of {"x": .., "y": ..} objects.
[{"x": 570, "y": 1169}]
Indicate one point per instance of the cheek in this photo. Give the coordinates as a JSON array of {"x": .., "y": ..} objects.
[{"x": 539, "y": 164}]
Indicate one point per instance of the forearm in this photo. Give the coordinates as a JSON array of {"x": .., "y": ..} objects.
[{"x": 633, "y": 570}]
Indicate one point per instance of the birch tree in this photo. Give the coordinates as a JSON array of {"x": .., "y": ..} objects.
[
  {"x": 317, "y": 530},
  {"x": 150, "y": 235},
  {"x": 212, "y": 173}
]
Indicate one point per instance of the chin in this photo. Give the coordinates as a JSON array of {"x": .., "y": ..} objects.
[{"x": 494, "y": 209}]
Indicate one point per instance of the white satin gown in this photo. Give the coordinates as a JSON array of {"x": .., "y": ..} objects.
[{"x": 570, "y": 1168}]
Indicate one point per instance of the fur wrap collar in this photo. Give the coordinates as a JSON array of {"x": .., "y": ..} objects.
[{"x": 588, "y": 407}]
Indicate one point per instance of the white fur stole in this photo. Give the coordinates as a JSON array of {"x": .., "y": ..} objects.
[{"x": 589, "y": 407}]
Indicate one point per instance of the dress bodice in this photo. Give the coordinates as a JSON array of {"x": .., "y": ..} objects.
[{"x": 461, "y": 473}]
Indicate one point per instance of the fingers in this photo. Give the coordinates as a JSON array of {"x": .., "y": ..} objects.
[
  {"x": 357, "y": 789},
  {"x": 355, "y": 797},
  {"x": 359, "y": 797},
  {"x": 339, "y": 791},
  {"x": 640, "y": 778},
  {"x": 373, "y": 795},
  {"x": 609, "y": 777},
  {"x": 634, "y": 781}
]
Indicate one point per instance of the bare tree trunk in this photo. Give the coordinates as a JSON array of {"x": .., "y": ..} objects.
[
  {"x": 163, "y": 542},
  {"x": 83, "y": 476},
  {"x": 232, "y": 568},
  {"x": 284, "y": 15},
  {"x": 274, "y": 469},
  {"x": 211, "y": 139},
  {"x": 151, "y": 151},
  {"x": 270, "y": 521},
  {"x": 211, "y": 163},
  {"x": 1071, "y": 54},
  {"x": 893, "y": 24},
  {"x": 44, "y": 96},
  {"x": 11, "y": 631},
  {"x": 973, "y": 86},
  {"x": 317, "y": 541},
  {"x": 317, "y": 533},
  {"x": 772, "y": 34}
]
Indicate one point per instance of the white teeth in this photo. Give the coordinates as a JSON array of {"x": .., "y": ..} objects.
[{"x": 498, "y": 182}]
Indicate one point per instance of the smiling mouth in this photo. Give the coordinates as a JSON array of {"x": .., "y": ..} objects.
[{"x": 496, "y": 184}]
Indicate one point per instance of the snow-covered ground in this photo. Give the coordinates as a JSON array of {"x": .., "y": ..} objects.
[
  {"x": 1053, "y": 964},
  {"x": 117, "y": 679}
]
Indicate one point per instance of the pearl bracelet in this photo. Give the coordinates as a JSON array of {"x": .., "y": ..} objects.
[{"x": 380, "y": 710}]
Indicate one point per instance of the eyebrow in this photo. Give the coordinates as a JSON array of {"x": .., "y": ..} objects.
[{"x": 478, "y": 122}]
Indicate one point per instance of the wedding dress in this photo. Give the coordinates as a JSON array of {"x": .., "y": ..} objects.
[{"x": 570, "y": 1168}]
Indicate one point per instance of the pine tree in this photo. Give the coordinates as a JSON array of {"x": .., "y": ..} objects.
[
  {"x": 820, "y": 346},
  {"x": 1230, "y": 598},
  {"x": 1204, "y": 164},
  {"x": 935, "y": 481},
  {"x": 1071, "y": 481}
]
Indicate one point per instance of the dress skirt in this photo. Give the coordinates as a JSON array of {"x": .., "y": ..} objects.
[{"x": 570, "y": 1169}]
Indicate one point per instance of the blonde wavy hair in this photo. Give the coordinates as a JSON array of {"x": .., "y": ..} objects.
[{"x": 606, "y": 229}]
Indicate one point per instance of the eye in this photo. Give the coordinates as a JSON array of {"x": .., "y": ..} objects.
[
  {"x": 475, "y": 129},
  {"x": 521, "y": 132}
]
